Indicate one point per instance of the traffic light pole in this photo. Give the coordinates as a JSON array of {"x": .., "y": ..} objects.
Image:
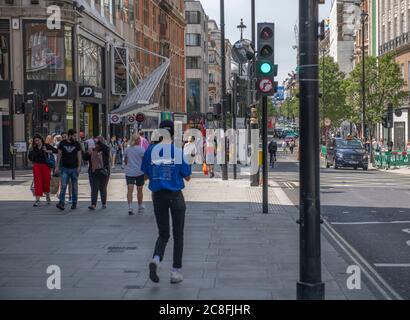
[
  {"x": 254, "y": 178},
  {"x": 234, "y": 103},
  {"x": 11, "y": 116},
  {"x": 223, "y": 103},
  {"x": 265, "y": 154},
  {"x": 310, "y": 285}
]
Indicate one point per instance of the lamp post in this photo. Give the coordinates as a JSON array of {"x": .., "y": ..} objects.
[
  {"x": 223, "y": 66},
  {"x": 363, "y": 16}
]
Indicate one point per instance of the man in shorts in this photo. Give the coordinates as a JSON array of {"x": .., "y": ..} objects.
[{"x": 134, "y": 176}]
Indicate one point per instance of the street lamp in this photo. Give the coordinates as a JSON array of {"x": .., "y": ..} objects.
[{"x": 363, "y": 16}]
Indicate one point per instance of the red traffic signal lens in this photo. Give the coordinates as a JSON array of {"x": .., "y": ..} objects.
[
  {"x": 45, "y": 109},
  {"x": 266, "y": 33}
]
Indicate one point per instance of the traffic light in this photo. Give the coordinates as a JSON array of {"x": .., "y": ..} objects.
[
  {"x": 46, "y": 115},
  {"x": 389, "y": 116},
  {"x": 266, "y": 70}
]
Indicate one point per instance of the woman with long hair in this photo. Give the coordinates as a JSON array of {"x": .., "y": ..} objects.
[
  {"x": 99, "y": 169},
  {"x": 39, "y": 154}
]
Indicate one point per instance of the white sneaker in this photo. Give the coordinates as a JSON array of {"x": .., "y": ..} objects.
[
  {"x": 176, "y": 277},
  {"x": 141, "y": 208},
  {"x": 153, "y": 270},
  {"x": 130, "y": 211}
]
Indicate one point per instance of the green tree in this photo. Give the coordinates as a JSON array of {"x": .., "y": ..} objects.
[
  {"x": 384, "y": 84},
  {"x": 333, "y": 89},
  {"x": 290, "y": 107}
]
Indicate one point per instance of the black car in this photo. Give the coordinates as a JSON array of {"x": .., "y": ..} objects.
[{"x": 348, "y": 152}]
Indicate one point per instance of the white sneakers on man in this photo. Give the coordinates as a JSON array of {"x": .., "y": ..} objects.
[{"x": 176, "y": 277}]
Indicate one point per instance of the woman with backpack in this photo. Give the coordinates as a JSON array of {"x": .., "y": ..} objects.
[
  {"x": 99, "y": 168},
  {"x": 41, "y": 155}
]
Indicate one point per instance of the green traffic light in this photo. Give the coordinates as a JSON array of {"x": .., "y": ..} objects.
[{"x": 266, "y": 68}]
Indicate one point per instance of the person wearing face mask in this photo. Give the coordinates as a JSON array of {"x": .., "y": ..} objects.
[
  {"x": 99, "y": 169},
  {"x": 41, "y": 169},
  {"x": 69, "y": 157}
]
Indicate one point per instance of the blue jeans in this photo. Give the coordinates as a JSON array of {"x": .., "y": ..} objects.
[{"x": 66, "y": 175}]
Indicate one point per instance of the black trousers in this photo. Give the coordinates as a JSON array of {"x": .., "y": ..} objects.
[
  {"x": 99, "y": 183},
  {"x": 165, "y": 201}
]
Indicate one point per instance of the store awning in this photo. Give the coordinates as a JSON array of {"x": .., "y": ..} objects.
[{"x": 146, "y": 95}]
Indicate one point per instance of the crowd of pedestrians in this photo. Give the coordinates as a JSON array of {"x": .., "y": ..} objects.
[{"x": 62, "y": 157}]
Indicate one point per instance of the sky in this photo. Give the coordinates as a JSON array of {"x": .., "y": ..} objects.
[{"x": 284, "y": 13}]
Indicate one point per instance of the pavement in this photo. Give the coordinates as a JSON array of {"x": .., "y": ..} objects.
[{"x": 232, "y": 250}]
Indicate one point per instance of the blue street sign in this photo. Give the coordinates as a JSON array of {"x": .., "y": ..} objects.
[{"x": 280, "y": 93}]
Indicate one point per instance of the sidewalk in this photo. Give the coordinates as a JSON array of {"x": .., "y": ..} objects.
[{"x": 232, "y": 250}]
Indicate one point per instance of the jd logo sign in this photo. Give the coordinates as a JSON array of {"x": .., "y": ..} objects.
[
  {"x": 60, "y": 90},
  {"x": 86, "y": 92}
]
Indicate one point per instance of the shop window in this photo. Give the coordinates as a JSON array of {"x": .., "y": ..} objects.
[
  {"x": 90, "y": 63},
  {"x": 46, "y": 56},
  {"x": 4, "y": 57}
]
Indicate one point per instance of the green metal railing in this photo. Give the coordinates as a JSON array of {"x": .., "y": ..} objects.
[{"x": 395, "y": 159}]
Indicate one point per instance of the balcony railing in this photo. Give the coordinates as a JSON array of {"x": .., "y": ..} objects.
[{"x": 397, "y": 42}]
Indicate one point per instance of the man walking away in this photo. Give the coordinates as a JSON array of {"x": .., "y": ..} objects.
[
  {"x": 69, "y": 155},
  {"x": 133, "y": 175},
  {"x": 273, "y": 148},
  {"x": 166, "y": 180}
]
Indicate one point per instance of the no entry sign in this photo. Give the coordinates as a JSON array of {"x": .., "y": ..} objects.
[{"x": 140, "y": 117}]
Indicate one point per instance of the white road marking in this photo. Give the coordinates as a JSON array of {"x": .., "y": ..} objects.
[
  {"x": 392, "y": 265},
  {"x": 406, "y": 230},
  {"x": 362, "y": 263},
  {"x": 372, "y": 222},
  {"x": 408, "y": 243}
]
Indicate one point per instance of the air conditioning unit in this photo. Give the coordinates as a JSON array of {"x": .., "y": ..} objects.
[{"x": 9, "y": 1}]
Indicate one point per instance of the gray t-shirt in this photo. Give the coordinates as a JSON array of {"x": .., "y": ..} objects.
[{"x": 134, "y": 157}]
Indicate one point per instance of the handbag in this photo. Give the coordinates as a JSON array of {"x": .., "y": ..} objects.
[
  {"x": 51, "y": 161},
  {"x": 103, "y": 172},
  {"x": 205, "y": 169},
  {"x": 54, "y": 183}
]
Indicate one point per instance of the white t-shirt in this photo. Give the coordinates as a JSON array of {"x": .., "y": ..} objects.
[{"x": 134, "y": 157}]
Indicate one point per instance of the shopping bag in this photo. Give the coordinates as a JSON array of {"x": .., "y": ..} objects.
[
  {"x": 32, "y": 187},
  {"x": 54, "y": 182},
  {"x": 205, "y": 169}
]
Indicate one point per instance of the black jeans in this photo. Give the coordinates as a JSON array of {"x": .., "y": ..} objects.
[
  {"x": 165, "y": 201},
  {"x": 99, "y": 182}
]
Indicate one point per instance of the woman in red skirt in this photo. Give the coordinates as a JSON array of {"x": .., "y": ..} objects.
[{"x": 41, "y": 170}]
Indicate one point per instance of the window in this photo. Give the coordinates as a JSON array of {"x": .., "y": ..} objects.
[
  {"x": 211, "y": 78},
  {"x": 4, "y": 57},
  {"x": 194, "y": 95},
  {"x": 90, "y": 67},
  {"x": 193, "y": 39},
  {"x": 212, "y": 57},
  {"x": 146, "y": 13},
  {"x": 402, "y": 24},
  {"x": 193, "y": 62},
  {"x": 48, "y": 53},
  {"x": 193, "y": 17}
]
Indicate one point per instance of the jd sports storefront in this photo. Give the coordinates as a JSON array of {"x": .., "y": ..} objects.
[{"x": 92, "y": 111}]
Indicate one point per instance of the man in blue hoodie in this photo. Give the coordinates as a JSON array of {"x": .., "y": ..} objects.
[{"x": 166, "y": 168}]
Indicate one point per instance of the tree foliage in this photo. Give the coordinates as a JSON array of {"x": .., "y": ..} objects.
[
  {"x": 384, "y": 84},
  {"x": 333, "y": 89}
]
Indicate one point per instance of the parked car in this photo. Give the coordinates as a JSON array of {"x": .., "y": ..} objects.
[{"x": 348, "y": 152}]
